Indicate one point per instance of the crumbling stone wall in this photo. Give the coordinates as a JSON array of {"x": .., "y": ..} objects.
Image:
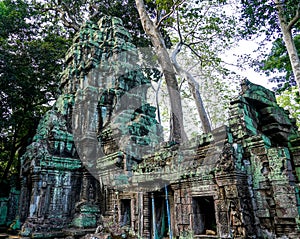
[
  {"x": 247, "y": 169},
  {"x": 97, "y": 158},
  {"x": 268, "y": 159},
  {"x": 9, "y": 203}
]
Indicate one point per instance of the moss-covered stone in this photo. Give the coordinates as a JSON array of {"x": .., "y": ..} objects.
[{"x": 248, "y": 170}]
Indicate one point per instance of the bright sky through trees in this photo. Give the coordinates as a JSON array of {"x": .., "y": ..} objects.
[{"x": 247, "y": 47}]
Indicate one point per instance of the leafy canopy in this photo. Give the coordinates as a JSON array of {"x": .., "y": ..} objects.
[
  {"x": 30, "y": 60},
  {"x": 277, "y": 64}
]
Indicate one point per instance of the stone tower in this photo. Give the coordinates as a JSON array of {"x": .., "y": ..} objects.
[{"x": 102, "y": 109}]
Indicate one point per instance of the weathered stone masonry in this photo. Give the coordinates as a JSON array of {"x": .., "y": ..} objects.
[{"x": 101, "y": 160}]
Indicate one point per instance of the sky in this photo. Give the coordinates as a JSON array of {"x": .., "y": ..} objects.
[{"x": 248, "y": 47}]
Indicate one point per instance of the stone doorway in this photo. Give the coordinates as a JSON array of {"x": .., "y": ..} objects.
[
  {"x": 204, "y": 219},
  {"x": 125, "y": 219},
  {"x": 161, "y": 218}
]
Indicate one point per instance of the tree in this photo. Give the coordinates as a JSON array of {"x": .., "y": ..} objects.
[
  {"x": 72, "y": 14},
  {"x": 30, "y": 60},
  {"x": 272, "y": 17},
  {"x": 287, "y": 22},
  {"x": 152, "y": 29},
  {"x": 278, "y": 62},
  {"x": 162, "y": 14},
  {"x": 194, "y": 88},
  {"x": 203, "y": 29}
]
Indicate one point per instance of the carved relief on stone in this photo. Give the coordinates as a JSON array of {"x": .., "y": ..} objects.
[
  {"x": 236, "y": 220},
  {"x": 226, "y": 160},
  {"x": 231, "y": 191}
]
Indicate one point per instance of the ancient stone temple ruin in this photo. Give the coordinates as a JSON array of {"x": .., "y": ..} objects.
[{"x": 98, "y": 165}]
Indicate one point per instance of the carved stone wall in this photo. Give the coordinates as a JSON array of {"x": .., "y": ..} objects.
[
  {"x": 98, "y": 160},
  {"x": 246, "y": 170}
]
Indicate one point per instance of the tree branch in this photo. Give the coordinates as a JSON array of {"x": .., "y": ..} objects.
[
  {"x": 194, "y": 88},
  {"x": 196, "y": 25},
  {"x": 69, "y": 24},
  {"x": 181, "y": 83},
  {"x": 193, "y": 51},
  {"x": 193, "y": 30},
  {"x": 173, "y": 8},
  {"x": 64, "y": 14},
  {"x": 73, "y": 22},
  {"x": 157, "y": 25},
  {"x": 178, "y": 27},
  {"x": 295, "y": 19},
  {"x": 158, "y": 15},
  {"x": 94, "y": 10}
]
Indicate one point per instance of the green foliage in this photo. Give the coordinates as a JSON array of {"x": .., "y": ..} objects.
[
  {"x": 72, "y": 14},
  {"x": 30, "y": 60},
  {"x": 257, "y": 15},
  {"x": 277, "y": 61},
  {"x": 290, "y": 100},
  {"x": 261, "y": 18},
  {"x": 165, "y": 4},
  {"x": 12, "y": 16},
  {"x": 207, "y": 30}
]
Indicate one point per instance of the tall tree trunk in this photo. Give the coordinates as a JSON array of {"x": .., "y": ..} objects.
[
  {"x": 177, "y": 130},
  {"x": 194, "y": 88},
  {"x": 286, "y": 28},
  {"x": 293, "y": 55}
]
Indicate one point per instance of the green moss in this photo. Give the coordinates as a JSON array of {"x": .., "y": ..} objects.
[
  {"x": 3, "y": 210},
  {"x": 250, "y": 124},
  {"x": 276, "y": 164},
  {"x": 61, "y": 163},
  {"x": 256, "y": 169},
  {"x": 239, "y": 156},
  {"x": 266, "y": 140},
  {"x": 229, "y": 137}
]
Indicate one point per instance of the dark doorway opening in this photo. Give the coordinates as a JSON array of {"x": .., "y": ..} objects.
[
  {"x": 204, "y": 215},
  {"x": 125, "y": 212},
  {"x": 161, "y": 218}
]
